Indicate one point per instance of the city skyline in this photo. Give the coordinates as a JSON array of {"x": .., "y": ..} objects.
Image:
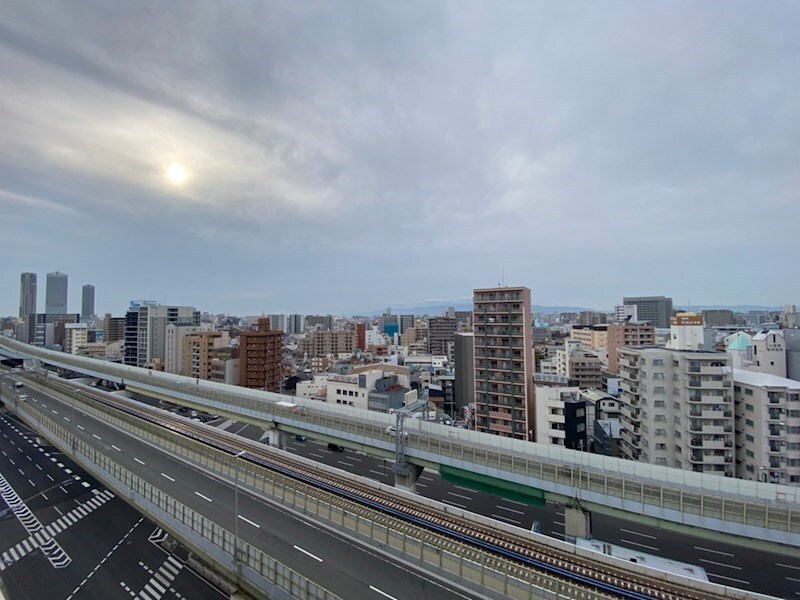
[{"x": 331, "y": 159}]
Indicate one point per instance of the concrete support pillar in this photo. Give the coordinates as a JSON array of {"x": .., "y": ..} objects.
[
  {"x": 577, "y": 523},
  {"x": 408, "y": 481},
  {"x": 279, "y": 438}
]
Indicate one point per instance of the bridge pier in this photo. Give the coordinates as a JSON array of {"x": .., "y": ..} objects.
[
  {"x": 406, "y": 479},
  {"x": 577, "y": 522}
]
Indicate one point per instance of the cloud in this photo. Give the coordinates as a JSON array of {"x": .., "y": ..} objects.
[{"x": 410, "y": 147}]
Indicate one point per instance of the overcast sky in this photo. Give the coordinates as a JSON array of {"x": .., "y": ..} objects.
[{"x": 346, "y": 156}]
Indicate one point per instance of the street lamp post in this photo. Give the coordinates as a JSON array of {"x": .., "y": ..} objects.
[{"x": 236, "y": 511}]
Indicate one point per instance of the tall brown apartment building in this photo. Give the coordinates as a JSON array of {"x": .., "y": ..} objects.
[
  {"x": 321, "y": 343},
  {"x": 260, "y": 358},
  {"x": 504, "y": 392},
  {"x": 631, "y": 335},
  {"x": 197, "y": 353}
]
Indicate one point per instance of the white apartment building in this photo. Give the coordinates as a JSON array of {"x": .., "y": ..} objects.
[
  {"x": 550, "y": 417},
  {"x": 769, "y": 352},
  {"x": 677, "y": 408},
  {"x": 76, "y": 335},
  {"x": 352, "y": 390},
  {"x": 767, "y": 411},
  {"x": 173, "y": 345}
]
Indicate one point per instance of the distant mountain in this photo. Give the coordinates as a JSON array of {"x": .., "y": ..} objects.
[{"x": 742, "y": 308}]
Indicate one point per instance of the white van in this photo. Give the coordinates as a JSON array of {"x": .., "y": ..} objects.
[{"x": 18, "y": 384}]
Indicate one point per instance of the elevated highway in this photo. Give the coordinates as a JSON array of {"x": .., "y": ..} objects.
[{"x": 748, "y": 512}]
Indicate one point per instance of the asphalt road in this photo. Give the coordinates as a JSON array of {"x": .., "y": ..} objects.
[
  {"x": 331, "y": 561},
  {"x": 726, "y": 564},
  {"x": 106, "y": 550}
]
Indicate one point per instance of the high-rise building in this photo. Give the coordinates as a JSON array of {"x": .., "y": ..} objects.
[
  {"x": 464, "y": 361},
  {"x": 56, "y": 294},
  {"x": 325, "y": 323},
  {"x": 677, "y": 405},
  {"x": 440, "y": 333},
  {"x": 630, "y": 334},
  {"x": 261, "y": 358},
  {"x": 87, "y": 300},
  {"x": 176, "y": 333},
  {"x": 295, "y": 323},
  {"x": 277, "y": 322},
  {"x": 198, "y": 350},
  {"x": 406, "y": 323},
  {"x": 27, "y": 295},
  {"x": 504, "y": 393},
  {"x": 113, "y": 328},
  {"x": 767, "y": 441},
  {"x": 145, "y": 330},
  {"x": 655, "y": 309},
  {"x": 75, "y": 337}
]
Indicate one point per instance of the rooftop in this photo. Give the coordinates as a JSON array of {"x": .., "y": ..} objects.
[{"x": 757, "y": 379}]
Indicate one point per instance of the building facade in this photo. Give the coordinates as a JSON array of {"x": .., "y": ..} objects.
[
  {"x": 440, "y": 333},
  {"x": 261, "y": 358},
  {"x": 503, "y": 351},
  {"x": 321, "y": 343},
  {"x": 655, "y": 309},
  {"x": 87, "y": 301},
  {"x": 113, "y": 328},
  {"x": 56, "y": 294},
  {"x": 767, "y": 411},
  {"x": 27, "y": 295},
  {"x": 677, "y": 409},
  {"x": 146, "y": 329},
  {"x": 631, "y": 334}
]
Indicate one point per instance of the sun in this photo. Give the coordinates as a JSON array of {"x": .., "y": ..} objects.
[{"x": 176, "y": 174}]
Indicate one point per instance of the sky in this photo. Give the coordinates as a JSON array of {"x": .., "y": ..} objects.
[{"x": 340, "y": 157}]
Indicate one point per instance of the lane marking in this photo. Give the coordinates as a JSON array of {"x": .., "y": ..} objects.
[
  {"x": 638, "y": 544},
  {"x": 729, "y": 578},
  {"x": 168, "y": 477},
  {"x": 513, "y": 510},
  {"x": 652, "y": 537},
  {"x": 315, "y": 455},
  {"x": 96, "y": 436},
  {"x": 115, "y": 448},
  {"x": 787, "y": 566},
  {"x": 714, "y": 551},
  {"x": 246, "y": 520},
  {"x": 377, "y": 472},
  {"x": 719, "y": 564},
  {"x": 204, "y": 497},
  {"x": 141, "y": 462},
  {"x": 307, "y": 553},
  {"x": 502, "y": 518},
  {"x": 460, "y": 496},
  {"x": 81, "y": 428},
  {"x": 382, "y": 593},
  {"x": 341, "y": 462}
]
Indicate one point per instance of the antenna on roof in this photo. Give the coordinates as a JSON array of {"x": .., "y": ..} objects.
[{"x": 502, "y": 276}]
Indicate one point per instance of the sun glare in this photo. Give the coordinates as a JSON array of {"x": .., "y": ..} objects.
[{"x": 176, "y": 174}]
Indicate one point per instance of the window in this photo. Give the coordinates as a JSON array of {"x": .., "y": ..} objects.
[
  {"x": 750, "y": 438},
  {"x": 661, "y": 446},
  {"x": 658, "y": 404},
  {"x": 748, "y": 392},
  {"x": 749, "y": 423},
  {"x": 661, "y": 460},
  {"x": 658, "y": 376},
  {"x": 661, "y": 432},
  {"x": 660, "y": 418},
  {"x": 658, "y": 362},
  {"x": 750, "y": 454},
  {"x": 749, "y": 407},
  {"x": 658, "y": 390}
]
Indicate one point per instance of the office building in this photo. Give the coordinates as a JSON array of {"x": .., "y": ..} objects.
[
  {"x": 767, "y": 411},
  {"x": 277, "y": 322},
  {"x": 406, "y": 323},
  {"x": 655, "y": 309},
  {"x": 87, "y": 301},
  {"x": 583, "y": 367},
  {"x": 56, "y": 294},
  {"x": 146, "y": 330},
  {"x": 42, "y": 329},
  {"x": 563, "y": 417},
  {"x": 594, "y": 337},
  {"x": 261, "y": 358},
  {"x": 324, "y": 323},
  {"x": 718, "y": 318},
  {"x": 630, "y": 334},
  {"x": 295, "y": 324},
  {"x": 27, "y": 295},
  {"x": 625, "y": 312},
  {"x": 440, "y": 333},
  {"x": 504, "y": 393},
  {"x": 464, "y": 362},
  {"x": 677, "y": 407}
]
